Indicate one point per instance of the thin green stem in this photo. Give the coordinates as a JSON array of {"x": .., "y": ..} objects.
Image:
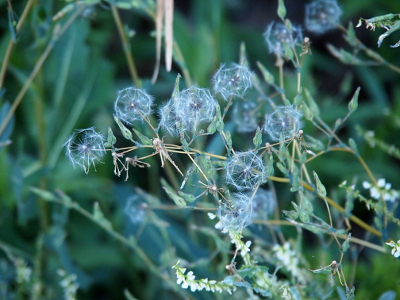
[
  {"x": 126, "y": 46},
  {"x": 10, "y": 46}
]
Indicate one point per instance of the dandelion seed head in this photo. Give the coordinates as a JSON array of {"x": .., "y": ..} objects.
[
  {"x": 278, "y": 36},
  {"x": 245, "y": 170},
  {"x": 85, "y": 148},
  {"x": 232, "y": 80},
  {"x": 322, "y": 15},
  {"x": 284, "y": 123},
  {"x": 132, "y": 104}
]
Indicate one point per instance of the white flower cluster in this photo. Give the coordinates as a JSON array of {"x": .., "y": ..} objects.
[
  {"x": 188, "y": 280},
  {"x": 381, "y": 189},
  {"x": 235, "y": 236},
  {"x": 289, "y": 259},
  {"x": 69, "y": 284},
  {"x": 396, "y": 248}
]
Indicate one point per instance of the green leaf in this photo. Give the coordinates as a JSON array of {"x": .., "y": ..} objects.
[
  {"x": 291, "y": 214},
  {"x": 268, "y": 77},
  {"x": 270, "y": 166},
  {"x": 354, "y": 101},
  {"x": 212, "y": 128},
  {"x": 321, "y": 190},
  {"x": 315, "y": 144},
  {"x": 307, "y": 111},
  {"x": 353, "y": 145},
  {"x": 175, "y": 92},
  {"x": 207, "y": 167},
  {"x": 346, "y": 244},
  {"x": 228, "y": 139},
  {"x": 257, "y": 140},
  {"x": 46, "y": 195},
  {"x": 311, "y": 103},
  {"x": 188, "y": 197},
  {"x": 307, "y": 206},
  {"x": 302, "y": 215},
  {"x": 281, "y": 10},
  {"x": 298, "y": 99},
  {"x": 324, "y": 270},
  {"x": 348, "y": 208},
  {"x": 179, "y": 201},
  {"x": 111, "y": 139},
  {"x": 128, "y": 295},
  {"x": 144, "y": 139},
  {"x": 351, "y": 35},
  {"x": 125, "y": 131},
  {"x": 99, "y": 216}
]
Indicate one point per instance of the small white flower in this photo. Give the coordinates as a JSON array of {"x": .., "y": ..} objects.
[
  {"x": 396, "y": 248},
  {"x": 211, "y": 216},
  {"x": 381, "y": 189}
]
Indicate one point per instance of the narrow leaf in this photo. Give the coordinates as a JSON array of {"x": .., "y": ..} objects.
[
  {"x": 111, "y": 139},
  {"x": 320, "y": 187},
  {"x": 354, "y": 101},
  {"x": 125, "y": 131},
  {"x": 281, "y": 10},
  {"x": 257, "y": 140},
  {"x": 179, "y": 201},
  {"x": 144, "y": 139}
]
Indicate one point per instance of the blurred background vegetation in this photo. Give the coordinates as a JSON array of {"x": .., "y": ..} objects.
[{"x": 76, "y": 87}]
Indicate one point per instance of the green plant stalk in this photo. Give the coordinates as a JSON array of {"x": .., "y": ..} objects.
[
  {"x": 10, "y": 46},
  {"x": 126, "y": 47}
]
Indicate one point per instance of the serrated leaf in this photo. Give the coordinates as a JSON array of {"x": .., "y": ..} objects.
[{"x": 257, "y": 140}]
